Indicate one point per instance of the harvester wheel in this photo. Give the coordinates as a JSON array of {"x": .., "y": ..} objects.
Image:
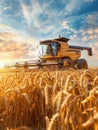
[{"x": 81, "y": 64}]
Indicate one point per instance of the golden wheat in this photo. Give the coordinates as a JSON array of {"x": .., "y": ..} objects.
[{"x": 49, "y": 100}]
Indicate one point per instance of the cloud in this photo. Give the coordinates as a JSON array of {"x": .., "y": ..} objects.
[
  {"x": 41, "y": 18},
  {"x": 91, "y": 19},
  {"x": 65, "y": 24},
  {"x": 7, "y": 36},
  {"x": 26, "y": 13},
  {"x": 90, "y": 37},
  {"x": 72, "y": 5},
  {"x": 94, "y": 47},
  {"x": 89, "y": 0},
  {"x": 4, "y": 28},
  {"x": 14, "y": 47},
  {"x": 32, "y": 12},
  {"x": 89, "y": 34}
]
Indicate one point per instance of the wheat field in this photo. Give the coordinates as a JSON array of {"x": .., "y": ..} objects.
[{"x": 49, "y": 100}]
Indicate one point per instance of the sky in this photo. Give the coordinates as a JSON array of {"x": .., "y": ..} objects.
[{"x": 23, "y": 23}]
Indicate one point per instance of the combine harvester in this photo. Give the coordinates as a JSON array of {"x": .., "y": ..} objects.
[{"x": 57, "y": 53}]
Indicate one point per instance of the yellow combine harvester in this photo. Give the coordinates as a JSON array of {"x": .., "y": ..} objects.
[{"x": 57, "y": 52}]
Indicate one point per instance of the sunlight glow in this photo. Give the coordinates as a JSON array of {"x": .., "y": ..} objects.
[{"x": 2, "y": 64}]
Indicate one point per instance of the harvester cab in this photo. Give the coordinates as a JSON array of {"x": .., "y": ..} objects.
[
  {"x": 49, "y": 48},
  {"x": 57, "y": 52}
]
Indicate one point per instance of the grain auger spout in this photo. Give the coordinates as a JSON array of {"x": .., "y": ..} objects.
[
  {"x": 57, "y": 53},
  {"x": 83, "y": 48}
]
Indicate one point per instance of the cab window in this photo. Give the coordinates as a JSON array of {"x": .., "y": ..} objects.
[{"x": 54, "y": 48}]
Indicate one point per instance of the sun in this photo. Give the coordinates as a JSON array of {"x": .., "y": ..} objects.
[{"x": 2, "y": 64}]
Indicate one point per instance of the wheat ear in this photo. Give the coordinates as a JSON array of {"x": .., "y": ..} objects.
[{"x": 53, "y": 121}]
